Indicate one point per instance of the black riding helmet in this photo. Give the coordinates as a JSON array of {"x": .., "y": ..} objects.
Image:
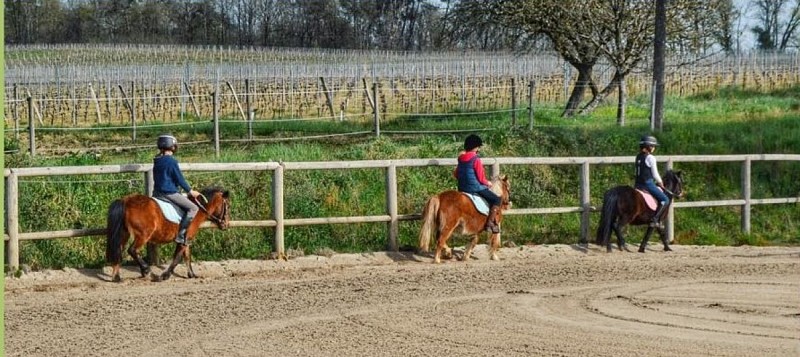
[
  {"x": 472, "y": 141},
  {"x": 648, "y": 140},
  {"x": 167, "y": 142}
]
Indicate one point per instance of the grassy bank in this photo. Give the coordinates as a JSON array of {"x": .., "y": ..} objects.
[{"x": 725, "y": 122}]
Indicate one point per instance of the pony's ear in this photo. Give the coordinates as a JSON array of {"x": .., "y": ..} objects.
[
  {"x": 678, "y": 173},
  {"x": 504, "y": 177},
  {"x": 225, "y": 194}
]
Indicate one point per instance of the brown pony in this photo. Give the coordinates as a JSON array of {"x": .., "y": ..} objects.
[
  {"x": 623, "y": 205},
  {"x": 140, "y": 216},
  {"x": 450, "y": 209}
]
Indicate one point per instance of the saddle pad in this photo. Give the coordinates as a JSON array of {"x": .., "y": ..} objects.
[
  {"x": 170, "y": 213},
  {"x": 649, "y": 199},
  {"x": 480, "y": 203}
]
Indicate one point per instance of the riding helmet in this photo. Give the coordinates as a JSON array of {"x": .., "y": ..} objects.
[
  {"x": 648, "y": 140},
  {"x": 167, "y": 142},
  {"x": 472, "y": 141}
]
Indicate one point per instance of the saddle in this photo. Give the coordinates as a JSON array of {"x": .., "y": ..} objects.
[
  {"x": 480, "y": 203},
  {"x": 171, "y": 211},
  {"x": 651, "y": 201}
]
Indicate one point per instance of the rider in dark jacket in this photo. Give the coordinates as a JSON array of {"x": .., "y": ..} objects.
[
  {"x": 647, "y": 177},
  {"x": 472, "y": 179}
]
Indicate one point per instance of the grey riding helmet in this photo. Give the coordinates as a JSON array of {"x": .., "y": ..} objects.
[
  {"x": 648, "y": 140},
  {"x": 167, "y": 142}
]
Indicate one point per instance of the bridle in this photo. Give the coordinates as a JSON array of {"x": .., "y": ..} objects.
[
  {"x": 220, "y": 222},
  {"x": 677, "y": 185},
  {"x": 507, "y": 199}
]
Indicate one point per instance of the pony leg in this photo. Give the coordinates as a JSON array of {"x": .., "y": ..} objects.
[
  {"x": 621, "y": 245},
  {"x": 471, "y": 246},
  {"x": 494, "y": 246},
  {"x": 441, "y": 242},
  {"x": 115, "y": 273},
  {"x": 133, "y": 251},
  {"x": 176, "y": 258},
  {"x": 115, "y": 277},
  {"x": 663, "y": 234},
  {"x": 187, "y": 254},
  {"x": 645, "y": 239}
]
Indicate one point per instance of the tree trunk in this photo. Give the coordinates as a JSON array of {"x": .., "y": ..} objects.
[
  {"x": 621, "y": 102},
  {"x": 603, "y": 94},
  {"x": 584, "y": 81}
]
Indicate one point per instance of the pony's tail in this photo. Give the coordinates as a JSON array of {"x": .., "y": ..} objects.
[
  {"x": 607, "y": 216},
  {"x": 428, "y": 223},
  {"x": 114, "y": 231}
]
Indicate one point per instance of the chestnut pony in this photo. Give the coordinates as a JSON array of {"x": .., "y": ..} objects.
[
  {"x": 623, "y": 205},
  {"x": 451, "y": 209},
  {"x": 138, "y": 215}
]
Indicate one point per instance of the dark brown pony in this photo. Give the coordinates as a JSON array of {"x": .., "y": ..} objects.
[
  {"x": 139, "y": 216},
  {"x": 623, "y": 205},
  {"x": 448, "y": 210}
]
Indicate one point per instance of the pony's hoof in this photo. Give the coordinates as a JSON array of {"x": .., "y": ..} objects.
[
  {"x": 641, "y": 250},
  {"x": 667, "y": 249},
  {"x": 165, "y": 276},
  {"x": 494, "y": 257},
  {"x": 117, "y": 279},
  {"x": 145, "y": 271}
]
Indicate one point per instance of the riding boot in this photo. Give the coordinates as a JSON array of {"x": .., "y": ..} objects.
[
  {"x": 182, "y": 228},
  {"x": 656, "y": 222},
  {"x": 491, "y": 221}
]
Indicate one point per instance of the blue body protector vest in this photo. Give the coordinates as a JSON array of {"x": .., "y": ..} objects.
[
  {"x": 467, "y": 179},
  {"x": 643, "y": 173}
]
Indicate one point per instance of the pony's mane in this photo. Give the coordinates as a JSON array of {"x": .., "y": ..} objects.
[
  {"x": 211, "y": 190},
  {"x": 497, "y": 185},
  {"x": 673, "y": 174}
]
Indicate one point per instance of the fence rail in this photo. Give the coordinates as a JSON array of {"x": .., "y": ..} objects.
[{"x": 392, "y": 217}]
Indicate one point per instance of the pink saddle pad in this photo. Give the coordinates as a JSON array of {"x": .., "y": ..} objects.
[{"x": 649, "y": 199}]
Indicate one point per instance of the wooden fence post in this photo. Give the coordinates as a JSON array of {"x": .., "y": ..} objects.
[
  {"x": 585, "y": 203},
  {"x": 152, "y": 249},
  {"x": 277, "y": 211},
  {"x": 531, "y": 98},
  {"x": 31, "y": 128},
  {"x": 376, "y": 107},
  {"x": 328, "y": 97},
  {"x": 215, "y": 104},
  {"x": 513, "y": 101},
  {"x": 670, "y": 213},
  {"x": 133, "y": 109},
  {"x": 391, "y": 205},
  {"x": 236, "y": 99},
  {"x": 16, "y": 113},
  {"x": 191, "y": 99},
  {"x": 746, "y": 192},
  {"x": 12, "y": 220},
  {"x": 249, "y": 106}
]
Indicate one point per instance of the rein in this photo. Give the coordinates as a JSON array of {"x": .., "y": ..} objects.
[{"x": 218, "y": 221}]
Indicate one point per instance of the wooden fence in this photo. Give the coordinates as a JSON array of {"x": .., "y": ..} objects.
[{"x": 392, "y": 217}]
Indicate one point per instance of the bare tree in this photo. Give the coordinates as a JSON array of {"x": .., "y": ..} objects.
[{"x": 773, "y": 32}]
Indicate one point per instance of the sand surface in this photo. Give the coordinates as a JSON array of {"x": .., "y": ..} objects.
[{"x": 553, "y": 300}]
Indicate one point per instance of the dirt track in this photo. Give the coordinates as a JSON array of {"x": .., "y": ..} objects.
[{"x": 543, "y": 300}]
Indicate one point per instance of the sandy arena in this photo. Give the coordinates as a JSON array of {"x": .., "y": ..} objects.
[{"x": 553, "y": 300}]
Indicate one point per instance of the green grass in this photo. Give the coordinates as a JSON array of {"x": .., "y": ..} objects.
[{"x": 725, "y": 122}]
